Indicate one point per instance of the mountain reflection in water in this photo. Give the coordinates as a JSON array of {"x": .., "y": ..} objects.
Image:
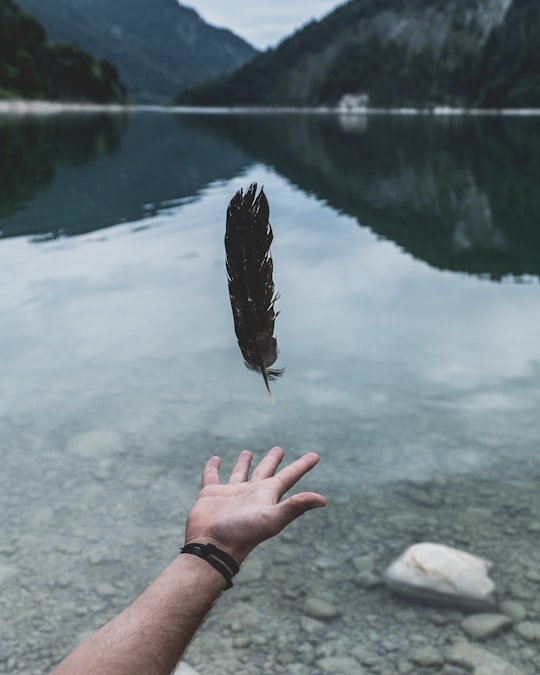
[
  {"x": 66, "y": 175},
  {"x": 459, "y": 193}
]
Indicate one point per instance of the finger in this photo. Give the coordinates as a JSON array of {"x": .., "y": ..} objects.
[
  {"x": 296, "y": 505},
  {"x": 291, "y": 474},
  {"x": 268, "y": 465},
  {"x": 240, "y": 471},
  {"x": 210, "y": 474}
]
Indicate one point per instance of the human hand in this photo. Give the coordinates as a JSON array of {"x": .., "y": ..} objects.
[{"x": 239, "y": 515}]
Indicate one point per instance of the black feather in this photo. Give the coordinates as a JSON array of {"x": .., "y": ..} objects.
[{"x": 248, "y": 237}]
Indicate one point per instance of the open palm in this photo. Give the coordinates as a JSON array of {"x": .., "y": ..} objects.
[{"x": 238, "y": 515}]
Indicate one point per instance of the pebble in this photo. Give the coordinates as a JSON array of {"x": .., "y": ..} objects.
[
  {"x": 298, "y": 669},
  {"x": 69, "y": 547},
  {"x": 453, "y": 670},
  {"x": 245, "y": 614},
  {"x": 484, "y": 626},
  {"x": 252, "y": 571},
  {"x": 340, "y": 664},
  {"x": 367, "y": 579},
  {"x": 533, "y": 575},
  {"x": 427, "y": 656},
  {"x": 284, "y": 658},
  {"x": 424, "y": 495},
  {"x": 7, "y": 572},
  {"x": 364, "y": 563},
  {"x": 312, "y": 626},
  {"x": 519, "y": 591},
  {"x": 84, "y": 635},
  {"x": 105, "y": 590},
  {"x": 529, "y": 630},
  {"x": 476, "y": 516},
  {"x": 102, "y": 475},
  {"x": 43, "y": 516},
  {"x": 95, "y": 443},
  {"x": 514, "y": 610},
  {"x": 184, "y": 669},
  {"x": 479, "y": 661},
  {"x": 317, "y": 608}
]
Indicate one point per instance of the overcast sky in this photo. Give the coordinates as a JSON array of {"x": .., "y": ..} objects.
[{"x": 263, "y": 24}]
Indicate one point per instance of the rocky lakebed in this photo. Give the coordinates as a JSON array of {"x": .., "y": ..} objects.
[{"x": 310, "y": 602}]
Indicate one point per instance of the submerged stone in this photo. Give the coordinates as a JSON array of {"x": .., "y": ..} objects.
[
  {"x": 479, "y": 661},
  {"x": 184, "y": 669},
  {"x": 484, "y": 626},
  {"x": 442, "y": 575}
]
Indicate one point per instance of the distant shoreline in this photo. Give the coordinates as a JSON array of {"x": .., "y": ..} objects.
[{"x": 33, "y": 107}]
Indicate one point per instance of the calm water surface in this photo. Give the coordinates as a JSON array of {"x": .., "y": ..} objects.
[{"x": 407, "y": 256}]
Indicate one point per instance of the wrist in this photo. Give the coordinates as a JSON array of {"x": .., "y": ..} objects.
[
  {"x": 237, "y": 553},
  {"x": 202, "y": 574},
  {"x": 221, "y": 561}
]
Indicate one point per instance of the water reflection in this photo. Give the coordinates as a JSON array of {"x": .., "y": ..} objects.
[
  {"x": 68, "y": 175},
  {"x": 33, "y": 148},
  {"x": 460, "y": 194}
]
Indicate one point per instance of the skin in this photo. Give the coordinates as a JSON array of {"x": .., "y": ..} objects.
[{"x": 150, "y": 636}]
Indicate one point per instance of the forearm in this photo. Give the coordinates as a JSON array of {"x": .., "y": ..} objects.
[{"x": 150, "y": 636}]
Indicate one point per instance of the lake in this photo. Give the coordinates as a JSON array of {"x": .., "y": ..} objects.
[{"x": 407, "y": 257}]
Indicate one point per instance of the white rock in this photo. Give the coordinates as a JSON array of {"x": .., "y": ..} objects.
[{"x": 443, "y": 575}]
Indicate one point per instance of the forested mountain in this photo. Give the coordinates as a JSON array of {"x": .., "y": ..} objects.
[
  {"x": 158, "y": 46},
  {"x": 30, "y": 68},
  {"x": 419, "y": 52}
]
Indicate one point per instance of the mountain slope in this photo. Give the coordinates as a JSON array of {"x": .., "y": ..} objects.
[
  {"x": 30, "y": 68},
  {"x": 159, "y": 47},
  {"x": 419, "y": 52}
]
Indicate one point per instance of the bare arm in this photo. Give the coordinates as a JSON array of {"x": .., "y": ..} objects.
[{"x": 150, "y": 636}]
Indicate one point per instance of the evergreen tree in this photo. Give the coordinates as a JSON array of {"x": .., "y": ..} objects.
[{"x": 30, "y": 68}]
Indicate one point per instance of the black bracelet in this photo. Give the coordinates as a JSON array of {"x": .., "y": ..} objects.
[{"x": 220, "y": 561}]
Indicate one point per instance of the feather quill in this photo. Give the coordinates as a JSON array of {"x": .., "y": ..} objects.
[{"x": 248, "y": 236}]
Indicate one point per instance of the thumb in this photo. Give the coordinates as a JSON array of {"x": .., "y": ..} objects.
[{"x": 296, "y": 505}]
